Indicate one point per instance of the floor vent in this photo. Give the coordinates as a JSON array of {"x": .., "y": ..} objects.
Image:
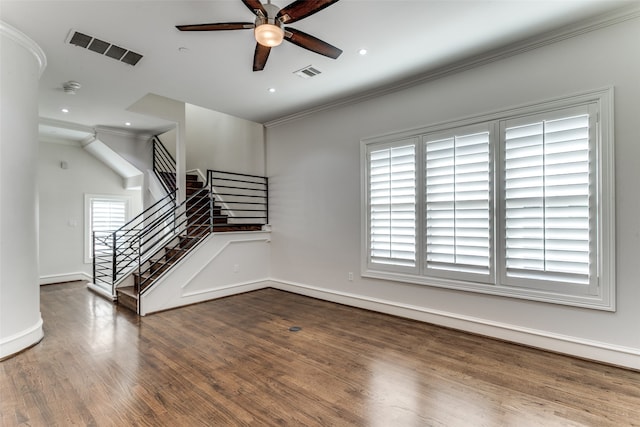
[
  {"x": 103, "y": 48},
  {"x": 307, "y": 72}
]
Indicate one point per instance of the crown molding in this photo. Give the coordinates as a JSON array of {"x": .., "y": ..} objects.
[
  {"x": 23, "y": 40},
  {"x": 44, "y": 121},
  {"x": 65, "y": 133},
  {"x": 142, "y": 135},
  {"x": 586, "y": 26}
]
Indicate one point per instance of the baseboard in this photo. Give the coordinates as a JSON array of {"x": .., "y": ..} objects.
[
  {"x": 206, "y": 295},
  {"x": 22, "y": 340},
  {"x": 593, "y": 350},
  {"x": 100, "y": 291},
  {"x": 67, "y": 277}
]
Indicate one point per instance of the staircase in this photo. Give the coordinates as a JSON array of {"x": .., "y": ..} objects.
[
  {"x": 201, "y": 216},
  {"x": 129, "y": 261}
]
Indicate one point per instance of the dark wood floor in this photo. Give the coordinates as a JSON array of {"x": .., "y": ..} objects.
[{"x": 234, "y": 362}]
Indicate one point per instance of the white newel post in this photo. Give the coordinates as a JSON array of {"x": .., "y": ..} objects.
[{"x": 21, "y": 64}]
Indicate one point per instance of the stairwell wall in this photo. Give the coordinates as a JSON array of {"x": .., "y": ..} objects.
[{"x": 219, "y": 141}]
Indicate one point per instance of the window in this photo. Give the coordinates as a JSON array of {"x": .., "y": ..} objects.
[
  {"x": 103, "y": 214},
  {"x": 517, "y": 203},
  {"x": 393, "y": 205},
  {"x": 548, "y": 199},
  {"x": 458, "y": 202}
]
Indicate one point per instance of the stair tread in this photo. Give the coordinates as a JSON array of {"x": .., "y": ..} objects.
[
  {"x": 128, "y": 290},
  {"x": 236, "y": 227}
]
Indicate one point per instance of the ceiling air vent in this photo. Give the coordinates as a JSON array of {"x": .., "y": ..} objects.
[
  {"x": 103, "y": 48},
  {"x": 307, "y": 72}
]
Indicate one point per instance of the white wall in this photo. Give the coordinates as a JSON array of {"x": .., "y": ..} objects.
[
  {"x": 136, "y": 150},
  {"x": 313, "y": 167},
  {"x": 22, "y": 63},
  {"x": 62, "y": 206},
  {"x": 219, "y": 141}
]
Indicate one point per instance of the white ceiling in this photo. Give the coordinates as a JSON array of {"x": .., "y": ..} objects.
[{"x": 405, "y": 40}]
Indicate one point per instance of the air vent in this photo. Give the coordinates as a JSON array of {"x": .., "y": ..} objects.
[
  {"x": 103, "y": 48},
  {"x": 307, "y": 72}
]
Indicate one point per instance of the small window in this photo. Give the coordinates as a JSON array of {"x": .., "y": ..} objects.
[{"x": 103, "y": 214}]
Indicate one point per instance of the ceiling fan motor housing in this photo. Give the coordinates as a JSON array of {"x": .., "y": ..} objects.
[{"x": 268, "y": 29}]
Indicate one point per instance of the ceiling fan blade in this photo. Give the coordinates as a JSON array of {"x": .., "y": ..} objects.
[
  {"x": 220, "y": 26},
  {"x": 301, "y": 9},
  {"x": 311, "y": 43},
  {"x": 255, "y": 6},
  {"x": 260, "y": 57}
]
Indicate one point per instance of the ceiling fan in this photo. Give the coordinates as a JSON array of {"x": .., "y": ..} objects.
[{"x": 269, "y": 31}]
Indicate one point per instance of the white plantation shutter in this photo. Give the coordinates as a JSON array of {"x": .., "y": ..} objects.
[
  {"x": 108, "y": 214},
  {"x": 392, "y": 205},
  {"x": 458, "y": 207},
  {"x": 105, "y": 215},
  {"x": 518, "y": 203},
  {"x": 548, "y": 198}
]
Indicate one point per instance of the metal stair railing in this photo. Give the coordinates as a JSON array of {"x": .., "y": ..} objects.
[
  {"x": 241, "y": 198},
  {"x": 164, "y": 165},
  {"x": 115, "y": 253},
  {"x": 193, "y": 220}
]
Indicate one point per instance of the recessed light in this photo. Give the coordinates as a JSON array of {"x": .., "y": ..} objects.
[
  {"x": 65, "y": 110},
  {"x": 272, "y": 89},
  {"x": 362, "y": 52},
  {"x": 127, "y": 124}
]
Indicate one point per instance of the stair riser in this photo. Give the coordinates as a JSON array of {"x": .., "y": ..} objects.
[
  {"x": 186, "y": 242},
  {"x": 127, "y": 301},
  {"x": 237, "y": 227},
  {"x": 199, "y": 219},
  {"x": 158, "y": 267},
  {"x": 172, "y": 255},
  {"x": 198, "y": 230},
  {"x": 141, "y": 283},
  {"x": 194, "y": 190},
  {"x": 198, "y": 203}
]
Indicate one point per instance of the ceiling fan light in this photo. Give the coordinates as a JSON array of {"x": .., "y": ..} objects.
[{"x": 269, "y": 35}]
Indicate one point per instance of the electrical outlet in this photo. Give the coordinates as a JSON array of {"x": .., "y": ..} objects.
[{"x": 350, "y": 276}]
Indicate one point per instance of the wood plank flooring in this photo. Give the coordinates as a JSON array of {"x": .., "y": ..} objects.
[{"x": 234, "y": 362}]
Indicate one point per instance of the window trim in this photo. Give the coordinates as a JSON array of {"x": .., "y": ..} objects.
[
  {"x": 604, "y": 299},
  {"x": 88, "y": 235},
  {"x": 395, "y": 268}
]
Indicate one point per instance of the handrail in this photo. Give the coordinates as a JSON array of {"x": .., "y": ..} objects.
[
  {"x": 164, "y": 165},
  {"x": 242, "y": 198}
]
